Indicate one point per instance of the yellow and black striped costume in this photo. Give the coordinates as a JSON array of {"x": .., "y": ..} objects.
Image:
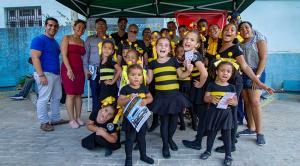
[
  {"x": 165, "y": 75},
  {"x": 107, "y": 72}
]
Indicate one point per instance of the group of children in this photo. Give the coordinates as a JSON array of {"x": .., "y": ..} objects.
[{"x": 169, "y": 84}]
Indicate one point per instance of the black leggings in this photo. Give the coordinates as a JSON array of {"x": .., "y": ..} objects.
[
  {"x": 181, "y": 118},
  {"x": 202, "y": 116},
  {"x": 167, "y": 128},
  {"x": 131, "y": 135},
  {"x": 226, "y": 135},
  {"x": 92, "y": 141}
]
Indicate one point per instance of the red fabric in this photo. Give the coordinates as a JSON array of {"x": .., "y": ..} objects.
[
  {"x": 75, "y": 87},
  {"x": 212, "y": 17}
]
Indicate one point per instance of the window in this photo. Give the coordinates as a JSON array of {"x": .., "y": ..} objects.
[{"x": 24, "y": 17}]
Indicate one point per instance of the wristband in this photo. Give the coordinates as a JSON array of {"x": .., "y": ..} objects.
[{"x": 42, "y": 75}]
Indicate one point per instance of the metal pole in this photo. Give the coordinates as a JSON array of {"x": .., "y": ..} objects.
[{"x": 88, "y": 82}]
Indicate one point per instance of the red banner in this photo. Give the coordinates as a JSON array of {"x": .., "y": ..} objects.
[{"x": 212, "y": 17}]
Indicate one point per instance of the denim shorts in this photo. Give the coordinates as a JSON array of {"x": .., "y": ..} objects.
[{"x": 247, "y": 82}]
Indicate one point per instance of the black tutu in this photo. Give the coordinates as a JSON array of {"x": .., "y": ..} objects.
[
  {"x": 107, "y": 90},
  {"x": 185, "y": 87},
  {"x": 218, "y": 119},
  {"x": 197, "y": 95},
  {"x": 169, "y": 103}
]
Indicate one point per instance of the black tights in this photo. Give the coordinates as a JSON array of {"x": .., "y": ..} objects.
[
  {"x": 202, "y": 116},
  {"x": 167, "y": 128},
  {"x": 226, "y": 135},
  {"x": 181, "y": 118},
  {"x": 131, "y": 134}
]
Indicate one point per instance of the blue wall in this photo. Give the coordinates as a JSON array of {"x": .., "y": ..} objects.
[
  {"x": 282, "y": 66},
  {"x": 15, "y": 50}
]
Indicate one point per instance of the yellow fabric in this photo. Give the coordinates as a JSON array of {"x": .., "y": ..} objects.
[
  {"x": 106, "y": 77},
  {"x": 108, "y": 101},
  {"x": 232, "y": 61},
  {"x": 240, "y": 38},
  {"x": 167, "y": 87},
  {"x": 117, "y": 117},
  {"x": 164, "y": 69},
  {"x": 217, "y": 93},
  {"x": 212, "y": 46},
  {"x": 154, "y": 53},
  {"x": 124, "y": 77},
  {"x": 165, "y": 78},
  {"x": 100, "y": 48},
  {"x": 107, "y": 70},
  {"x": 184, "y": 79},
  {"x": 195, "y": 74}
]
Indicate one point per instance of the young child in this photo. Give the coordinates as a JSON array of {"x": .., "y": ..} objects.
[
  {"x": 220, "y": 119},
  {"x": 104, "y": 131},
  {"x": 128, "y": 92},
  {"x": 132, "y": 57},
  {"x": 109, "y": 71},
  {"x": 168, "y": 101},
  {"x": 184, "y": 84},
  {"x": 199, "y": 76}
]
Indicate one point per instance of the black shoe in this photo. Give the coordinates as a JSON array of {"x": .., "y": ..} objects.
[
  {"x": 147, "y": 159},
  {"x": 166, "y": 153},
  {"x": 235, "y": 141},
  {"x": 192, "y": 144},
  {"x": 136, "y": 147},
  {"x": 108, "y": 152},
  {"x": 205, "y": 155},
  {"x": 153, "y": 127},
  {"x": 182, "y": 127},
  {"x": 220, "y": 138},
  {"x": 128, "y": 162},
  {"x": 221, "y": 149},
  {"x": 227, "y": 161},
  {"x": 260, "y": 139},
  {"x": 173, "y": 145}
]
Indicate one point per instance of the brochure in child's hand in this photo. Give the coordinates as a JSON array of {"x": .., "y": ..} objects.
[
  {"x": 136, "y": 114},
  {"x": 93, "y": 71},
  {"x": 223, "y": 103}
]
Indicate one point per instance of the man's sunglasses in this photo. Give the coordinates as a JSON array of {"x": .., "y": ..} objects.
[{"x": 135, "y": 32}]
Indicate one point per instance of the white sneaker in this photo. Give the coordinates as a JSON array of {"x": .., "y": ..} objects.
[{"x": 16, "y": 97}]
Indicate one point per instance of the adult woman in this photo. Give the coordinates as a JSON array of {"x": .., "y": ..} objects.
[
  {"x": 72, "y": 49},
  {"x": 255, "y": 52},
  {"x": 231, "y": 52}
]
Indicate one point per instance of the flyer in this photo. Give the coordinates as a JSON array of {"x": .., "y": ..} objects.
[{"x": 137, "y": 115}]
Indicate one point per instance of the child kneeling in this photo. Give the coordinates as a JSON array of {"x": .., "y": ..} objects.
[{"x": 105, "y": 133}]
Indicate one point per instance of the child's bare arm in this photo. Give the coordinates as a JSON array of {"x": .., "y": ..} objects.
[
  {"x": 147, "y": 100},
  {"x": 123, "y": 100},
  {"x": 109, "y": 137}
]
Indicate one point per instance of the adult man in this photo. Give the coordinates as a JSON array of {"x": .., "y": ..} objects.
[
  {"x": 133, "y": 43},
  {"x": 44, "y": 51},
  {"x": 172, "y": 28},
  {"x": 92, "y": 59},
  {"x": 121, "y": 34}
]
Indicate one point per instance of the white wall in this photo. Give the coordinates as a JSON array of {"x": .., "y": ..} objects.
[
  {"x": 49, "y": 7},
  {"x": 279, "y": 21}
]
